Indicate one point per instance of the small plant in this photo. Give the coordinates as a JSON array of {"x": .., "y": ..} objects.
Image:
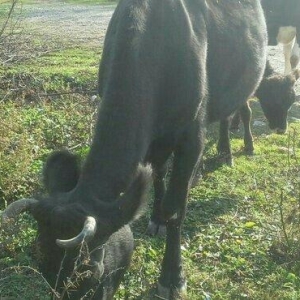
[
  {"x": 286, "y": 249},
  {"x": 80, "y": 271}
]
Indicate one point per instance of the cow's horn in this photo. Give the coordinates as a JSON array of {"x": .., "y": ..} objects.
[
  {"x": 17, "y": 207},
  {"x": 87, "y": 233}
]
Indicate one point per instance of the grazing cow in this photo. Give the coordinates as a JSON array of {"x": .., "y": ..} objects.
[
  {"x": 283, "y": 23},
  {"x": 276, "y": 95},
  {"x": 162, "y": 61},
  {"x": 96, "y": 273}
]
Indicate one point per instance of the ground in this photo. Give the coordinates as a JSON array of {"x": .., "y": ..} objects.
[{"x": 76, "y": 24}]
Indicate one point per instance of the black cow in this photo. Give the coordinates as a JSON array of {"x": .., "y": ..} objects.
[
  {"x": 162, "y": 61},
  {"x": 283, "y": 23},
  {"x": 276, "y": 95},
  {"x": 93, "y": 274}
]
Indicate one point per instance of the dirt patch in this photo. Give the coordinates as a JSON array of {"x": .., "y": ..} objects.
[{"x": 74, "y": 24}]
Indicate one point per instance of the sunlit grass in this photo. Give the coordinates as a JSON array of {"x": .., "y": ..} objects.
[{"x": 234, "y": 245}]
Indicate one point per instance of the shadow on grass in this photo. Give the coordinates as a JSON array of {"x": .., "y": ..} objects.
[{"x": 202, "y": 212}]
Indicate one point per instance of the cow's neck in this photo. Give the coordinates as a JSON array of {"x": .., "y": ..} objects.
[{"x": 120, "y": 143}]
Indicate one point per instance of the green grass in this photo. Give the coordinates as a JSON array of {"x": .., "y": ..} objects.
[
  {"x": 241, "y": 233},
  {"x": 58, "y": 72},
  {"x": 233, "y": 240}
]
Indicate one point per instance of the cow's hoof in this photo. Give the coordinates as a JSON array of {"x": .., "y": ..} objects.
[
  {"x": 156, "y": 229},
  {"x": 175, "y": 293}
]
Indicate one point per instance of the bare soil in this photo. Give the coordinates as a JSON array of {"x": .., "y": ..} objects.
[{"x": 74, "y": 24}]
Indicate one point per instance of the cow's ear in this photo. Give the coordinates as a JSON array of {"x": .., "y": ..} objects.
[
  {"x": 61, "y": 172},
  {"x": 133, "y": 202}
]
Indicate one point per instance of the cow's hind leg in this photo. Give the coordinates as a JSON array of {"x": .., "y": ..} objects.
[
  {"x": 223, "y": 147},
  {"x": 172, "y": 283},
  {"x": 287, "y": 51}
]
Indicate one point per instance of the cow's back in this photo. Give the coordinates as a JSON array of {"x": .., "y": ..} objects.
[{"x": 161, "y": 57}]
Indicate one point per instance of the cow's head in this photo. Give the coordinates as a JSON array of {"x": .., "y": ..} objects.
[
  {"x": 276, "y": 94},
  {"x": 64, "y": 223}
]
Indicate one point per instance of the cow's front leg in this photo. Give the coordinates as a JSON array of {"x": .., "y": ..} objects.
[
  {"x": 287, "y": 36},
  {"x": 287, "y": 52},
  {"x": 172, "y": 282}
]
